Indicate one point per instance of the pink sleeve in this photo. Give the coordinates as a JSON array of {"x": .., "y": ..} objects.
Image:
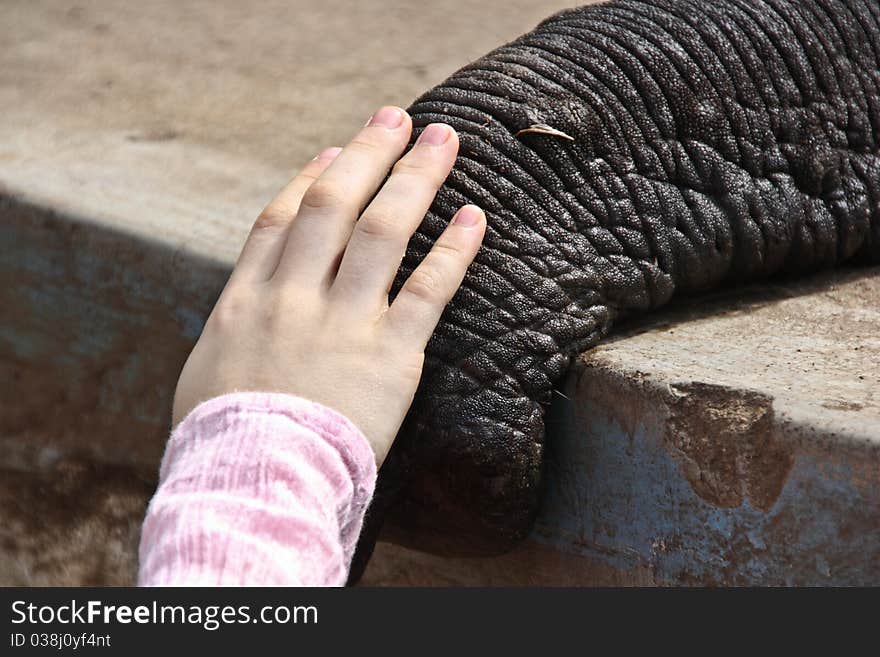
[{"x": 258, "y": 489}]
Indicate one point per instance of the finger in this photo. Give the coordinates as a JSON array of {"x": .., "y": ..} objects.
[
  {"x": 415, "y": 312},
  {"x": 380, "y": 236},
  {"x": 265, "y": 243},
  {"x": 335, "y": 200}
]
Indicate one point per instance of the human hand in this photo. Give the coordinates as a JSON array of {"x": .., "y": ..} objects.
[{"x": 306, "y": 310}]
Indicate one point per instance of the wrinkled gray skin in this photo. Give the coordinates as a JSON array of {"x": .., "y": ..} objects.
[{"x": 711, "y": 143}]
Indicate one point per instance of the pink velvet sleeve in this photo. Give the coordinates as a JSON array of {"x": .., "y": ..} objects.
[{"x": 258, "y": 489}]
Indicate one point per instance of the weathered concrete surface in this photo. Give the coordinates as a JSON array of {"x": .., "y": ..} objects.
[
  {"x": 76, "y": 523},
  {"x": 733, "y": 440}
]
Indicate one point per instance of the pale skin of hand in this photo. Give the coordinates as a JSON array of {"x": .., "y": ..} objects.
[{"x": 306, "y": 311}]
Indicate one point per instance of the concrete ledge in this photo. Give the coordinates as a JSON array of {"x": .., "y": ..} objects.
[{"x": 736, "y": 442}]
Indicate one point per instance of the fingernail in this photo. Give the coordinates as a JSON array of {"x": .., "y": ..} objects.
[
  {"x": 468, "y": 216},
  {"x": 435, "y": 134},
  {"x": 329, "y": 153},
  {"x": 387, "y": 117}
]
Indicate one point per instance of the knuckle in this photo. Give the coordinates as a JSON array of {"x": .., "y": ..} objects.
[
  {"x": 307, "y": 177},
  {"x": 419, "y": 171},
  {"x": 426, "y": 283},
  {"x": 379, "y": 225},
  {"x": 448, "y": 253},
  {"x": 270, "y": 218},
  {"x": 407, "y": 167},
  {"x": 364, "y": 143},
  {"x": 322, "y": 195}
]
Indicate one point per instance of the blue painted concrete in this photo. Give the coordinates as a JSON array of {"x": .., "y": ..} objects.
[{"x": 621, "y": 497}]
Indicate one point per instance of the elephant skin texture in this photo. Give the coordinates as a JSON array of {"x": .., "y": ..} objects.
[{"x": 624, "y": 153}]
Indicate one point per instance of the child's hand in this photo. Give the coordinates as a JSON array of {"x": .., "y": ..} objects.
[{"x": 306, "y": 309}]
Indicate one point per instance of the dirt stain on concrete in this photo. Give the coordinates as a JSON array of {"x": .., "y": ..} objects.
[{"x": 725, "y": 441}]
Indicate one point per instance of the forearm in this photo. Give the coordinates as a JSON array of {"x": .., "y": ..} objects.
[{"x": 258, "y": 489}]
